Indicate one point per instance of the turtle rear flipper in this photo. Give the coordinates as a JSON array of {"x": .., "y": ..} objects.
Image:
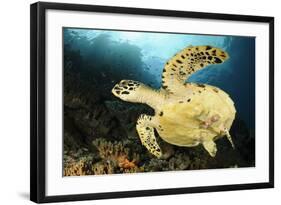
[
  {"x": 146, "y": 133},
  {"x": 211, "y": 147},
  {"x": 186, "y": 62}
]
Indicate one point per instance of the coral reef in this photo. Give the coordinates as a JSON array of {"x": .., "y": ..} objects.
[
  {"x": 78, "y": 163},
  {"x": 76, "y": 168},
  {"x": 115, "y": 157}
]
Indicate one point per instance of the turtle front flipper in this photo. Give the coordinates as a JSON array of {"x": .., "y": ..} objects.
[
  {"x": 186, "y": 62},
  {"x": 211, "y": 147},
  {"x": 145, "y": 130}
]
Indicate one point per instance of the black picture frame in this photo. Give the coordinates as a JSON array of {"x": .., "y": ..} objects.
[{"x": 38, "y": 100}]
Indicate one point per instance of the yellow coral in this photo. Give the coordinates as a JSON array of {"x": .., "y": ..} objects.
[
  {"x": 115, "y": 152},
  {"x": 103, "y": 167},
  {"x": 77, "y": 163},
  {"x": 76, "y": 168}
]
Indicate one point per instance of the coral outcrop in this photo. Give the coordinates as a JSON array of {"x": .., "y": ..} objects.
[{"x": 115, "y": 157}]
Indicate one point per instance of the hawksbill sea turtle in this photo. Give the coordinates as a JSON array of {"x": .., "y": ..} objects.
[{"x": 186, "y": 114}]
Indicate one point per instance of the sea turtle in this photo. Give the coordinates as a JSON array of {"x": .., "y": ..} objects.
[{"x": 186, "y": 114}]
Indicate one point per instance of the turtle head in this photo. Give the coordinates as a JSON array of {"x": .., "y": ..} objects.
[{"x": 128, "y": 90}]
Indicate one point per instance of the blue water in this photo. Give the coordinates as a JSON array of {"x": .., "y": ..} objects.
[{"x": 110, "y": 56}]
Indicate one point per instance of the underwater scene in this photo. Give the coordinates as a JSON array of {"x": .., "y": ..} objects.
[{"x": 137, "y": 101}]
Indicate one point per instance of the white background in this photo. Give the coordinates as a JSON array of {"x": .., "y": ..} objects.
[{"x": 14, "y": 104}]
